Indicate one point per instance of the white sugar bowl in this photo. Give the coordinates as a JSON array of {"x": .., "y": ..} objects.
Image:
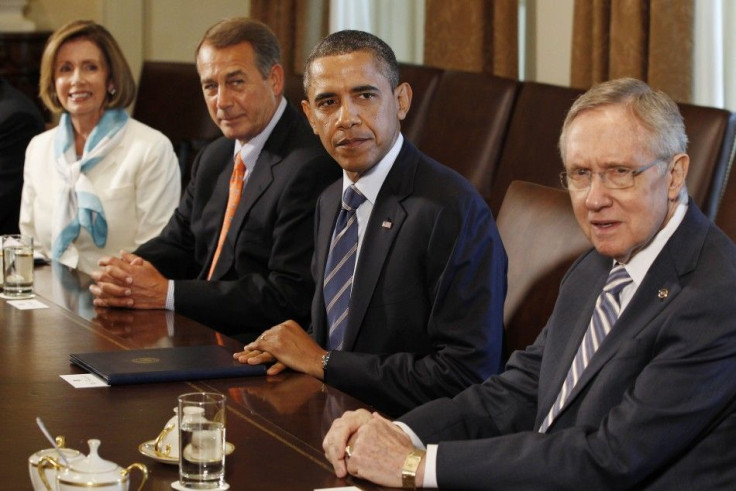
[
  {"x": 94, "y": 472},
  {"x": 53, "y": 464}
]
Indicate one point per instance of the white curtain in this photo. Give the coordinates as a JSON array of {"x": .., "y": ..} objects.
[
  {"x": 398, "y": 22},
  {"x": 714, "y": 80}
]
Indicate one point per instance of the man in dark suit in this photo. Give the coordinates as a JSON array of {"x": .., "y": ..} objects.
[
  {"x": 20, "y": 121},
  {"x": 236, "y": 253},
  {"x": 419, "y": 314},
  {"x": 644, "y": 400}
]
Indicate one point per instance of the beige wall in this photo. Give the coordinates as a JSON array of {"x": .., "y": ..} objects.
[
  {"x": 169, "y": 30},
  {"x": 549, "y": 33},
  {"x": 161, "y": 30},
  {"x": 51, "y": 14},
  {"x": 174, "y": 27}
]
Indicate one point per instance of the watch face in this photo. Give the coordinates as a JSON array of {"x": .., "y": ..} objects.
[{"x": 409, "y": 470}]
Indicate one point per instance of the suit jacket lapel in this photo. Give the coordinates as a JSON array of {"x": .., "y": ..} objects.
[
  {"x": 661, "y": 286},
  {"x": 257, "y": 182},
  {"x": 378, "y": 238},
  {"x": 578, "y": 315},
  {"x": 218, "y": 200}
]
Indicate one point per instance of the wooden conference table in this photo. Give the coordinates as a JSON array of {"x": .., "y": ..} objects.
[{"x": 276, "y": 423}]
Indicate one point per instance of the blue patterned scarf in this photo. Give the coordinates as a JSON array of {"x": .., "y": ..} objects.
[{"x": 79, "y": 206}]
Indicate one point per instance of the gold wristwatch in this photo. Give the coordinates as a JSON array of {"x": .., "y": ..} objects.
[{"x": 409, "y": 470}]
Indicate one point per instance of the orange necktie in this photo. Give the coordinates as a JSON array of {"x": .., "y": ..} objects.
[{"x": 236, "y": 189}]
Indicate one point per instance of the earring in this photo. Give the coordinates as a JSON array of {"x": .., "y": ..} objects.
[{"x": 111, "y": 90}]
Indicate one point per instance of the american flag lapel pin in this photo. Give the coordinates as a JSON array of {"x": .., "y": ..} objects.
[{"x": 387, "y": 224}]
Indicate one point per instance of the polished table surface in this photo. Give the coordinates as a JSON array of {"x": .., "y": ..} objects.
[{"x": 275, "y": 423}]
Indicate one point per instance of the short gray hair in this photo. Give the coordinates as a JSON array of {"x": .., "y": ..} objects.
[{"x": 654, "y": 109}]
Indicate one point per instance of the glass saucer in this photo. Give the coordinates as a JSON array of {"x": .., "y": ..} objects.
[{"x": 149, "y": 450}]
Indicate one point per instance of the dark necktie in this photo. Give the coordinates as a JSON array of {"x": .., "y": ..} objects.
[
  {"x": 607, "y": 310},
  {"x": 338, "y": 281}
]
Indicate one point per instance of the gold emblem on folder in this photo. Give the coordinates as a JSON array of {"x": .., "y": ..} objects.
[{"x": 146, "y": 360}]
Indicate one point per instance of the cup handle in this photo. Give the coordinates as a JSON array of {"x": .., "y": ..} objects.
[
  {"x": 42, "y": 465},
  {"x": 140, "y": 467},
  {"x": 158, "y": 446}
]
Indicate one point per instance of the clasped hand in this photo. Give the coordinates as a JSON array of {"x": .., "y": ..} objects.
[
  {"x": 378, "y": 447},
  {"x": 128, "y": 281},
  {"x": 289, "y": 346}
]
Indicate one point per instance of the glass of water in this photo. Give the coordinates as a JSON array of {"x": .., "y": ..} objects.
[
  {"x": 17, "y": 265},
  {"x": 202, "y": 440}
]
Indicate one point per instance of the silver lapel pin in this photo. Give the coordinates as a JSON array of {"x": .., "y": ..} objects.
[{"x": 387, "y": 224}]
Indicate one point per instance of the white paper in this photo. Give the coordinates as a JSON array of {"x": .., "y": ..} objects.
[
  {"x": 27, "y": 304},
  {"x": 84, "y": 381}
]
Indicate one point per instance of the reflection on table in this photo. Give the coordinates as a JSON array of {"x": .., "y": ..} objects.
[{"x": 275, "y": 423}]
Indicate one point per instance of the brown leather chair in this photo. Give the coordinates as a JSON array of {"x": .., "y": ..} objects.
[
  {"x": 170, "y": 100},
  {"x": 726, "y": 216},
  {"x": 294, "y": 90},
  {"x": 542, "y": 239},
  {"x": 466, "y": 124},
  {"x": 530, "y": 152},
  {"x": 423, "y": 81},
  {"x": 711, "y": 133}
]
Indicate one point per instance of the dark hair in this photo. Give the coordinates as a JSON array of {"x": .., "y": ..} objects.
[
  {"x": 236, "y": 30},
  {"x": 350, "y": 41},
  {"x": 120, "y": 75}
]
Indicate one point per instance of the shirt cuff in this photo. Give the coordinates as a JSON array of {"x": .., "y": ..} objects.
[
  {"x": 170, "y": 296},
  {"x": 430, "y": 458}
]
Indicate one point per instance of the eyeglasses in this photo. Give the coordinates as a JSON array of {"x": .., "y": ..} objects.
[{"x": 613, "y": 178}]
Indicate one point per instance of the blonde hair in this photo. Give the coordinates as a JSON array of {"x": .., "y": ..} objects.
[{"x": 120, "y": 74}]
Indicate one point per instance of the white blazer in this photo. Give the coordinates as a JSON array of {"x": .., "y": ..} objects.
[{"x": 138, "y": 183}]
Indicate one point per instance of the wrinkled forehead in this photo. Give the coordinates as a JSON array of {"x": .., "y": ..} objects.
[{"x": 606, "y": 133}]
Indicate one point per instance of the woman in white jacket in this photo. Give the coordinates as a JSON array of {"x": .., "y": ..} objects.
[{"x": 99, "y": 182}]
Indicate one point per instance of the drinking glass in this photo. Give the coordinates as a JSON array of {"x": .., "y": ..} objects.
[
  {"x": 18, "y": 265},
  {"x": 201, "y": 440}
]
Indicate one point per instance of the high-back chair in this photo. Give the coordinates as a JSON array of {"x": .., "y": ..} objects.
[
  {"x": 423, "y": 81},
  {"x": 726, "y": 215},
  {"x": 466, "y": 124},
  {"x": 530, "y": 152},
  {"x": 711, "y": 133},
  {"x": 542, "y": 239},
  {"x": 170, "y": 100}
]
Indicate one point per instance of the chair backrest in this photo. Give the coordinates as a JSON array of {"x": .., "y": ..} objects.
[
  {"x": 711, "y": 133},
  {"x": 726, "y": 215},
  {"x": 466, "y": 124},
  {"x": 542, "y": 239},
  {"x": 294, "y": 90},
  {"x": 423, "y": 81},
  {"x": 530, "y": 152},
  {"x": 170, "y": 100}
]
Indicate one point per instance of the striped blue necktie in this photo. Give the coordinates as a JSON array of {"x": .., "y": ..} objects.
[
  {"x": 607, "y": 311},
  {"x": 341, "y": 266}
]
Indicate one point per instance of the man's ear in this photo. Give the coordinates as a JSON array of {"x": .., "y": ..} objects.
[
  {"x": 308, "y": 112},
  {"x": 276, "y": 79},
  {"x": 678, "y": 175},
  {"x": 403, "y": 95}
]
